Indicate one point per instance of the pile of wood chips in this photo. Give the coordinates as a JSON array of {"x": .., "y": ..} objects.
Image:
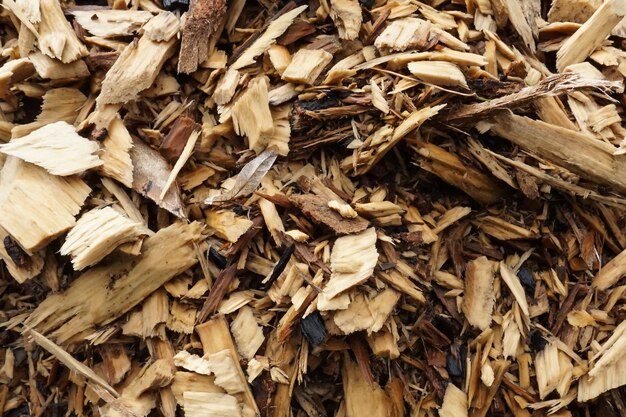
[{"x": 374, "y": 208}]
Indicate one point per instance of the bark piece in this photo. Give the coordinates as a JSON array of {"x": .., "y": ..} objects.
[
  {"x": 317, "y": 208},
  {"x": 29, "y": 194},
  {"x": 203, "y": 19},
  {"x": 121, "y": 285},
  {"x": 174, "y": 142}
]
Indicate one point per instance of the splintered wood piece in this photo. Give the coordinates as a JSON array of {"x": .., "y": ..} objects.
[
  {"x": 38, "y": 207},
  {"x": 20, "y": 265},
  {"x": 227, "y": 225},
  {"x": 251, "y": 114},
  {"x": 59, "y": 104},
  {"x": 157, "y": 374},
  {"x": 520, "y": 22},
  {"x": 515, "y": 286},
  {"x": 479, "y": 299},
  {"x": 57, "y": 148},
  {"x": 50, "y": 68},
  {"x": 352, "y": 262},
  {"x": 209, "y": 404},
  {"x": 55, "y": 37},
  {"x": 226, "y": 87},
  {"x": 203, "y": 19},
  {"x": 129, "y": 75},
  {"x": 452, "y": 170},
  {"x": 111, "y": 23},
  {"x": 438, "y": 73},
  {"x": 98, "y": 233},
  {"x": 191, "y": 381},
  {"x": 503, "y": 230},
  {"x": 121, "y": 285},
  {"x": 222, "y": 365},
  {"x": 576, "y": 11},
  {"x": 182, "y": 160},
  {"x": 150, "y": 174},
  {"x": 13, "y": 72},
  {"x": 402, "y": 34},
  {"x": 247, "y": 333},
  {"x": 136, "y": 396},
  {"x": 268, "y": 38},
  {"x": 608, "y": 371},
  {"x": 306, "y": 65},
  {"x": 362, "y": 398},
  {"x": 215, "y": 337},
  {"x": 553, "y": 85},
  {"x": 116, "y": 160},
  {"x": 592, "y": 159},
  {"x": 182, "y": 318},
  {"x": 387, "y": 137},
  {"x": 547, "y": 369},
  {"x": 190, "y": 362},
  {"x": 454, "y": 403},
  {"x": 69, "y": 361},
  {"x": 367, "y": 314},
  {"x": 347, "y": 17},
  {"x": 611, "y": 273},
  {"x": 115, "y": 362},
  {"x": 591, "y": 34}
]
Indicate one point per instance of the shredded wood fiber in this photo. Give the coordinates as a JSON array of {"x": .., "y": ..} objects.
[{"x": 338, "y": 208}]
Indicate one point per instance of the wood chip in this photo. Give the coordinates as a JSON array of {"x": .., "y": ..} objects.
[{"x": 57, "y": 148}]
